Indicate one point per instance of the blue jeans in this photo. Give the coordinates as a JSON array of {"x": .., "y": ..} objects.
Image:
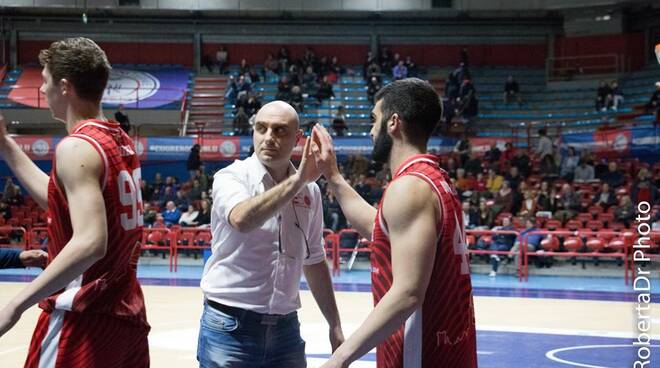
[{"x": 227, "y": 341}]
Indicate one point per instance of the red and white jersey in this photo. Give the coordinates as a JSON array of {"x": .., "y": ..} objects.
[
  {"x": 109, "y": 286},
  {"x": 442, "y": 332}
]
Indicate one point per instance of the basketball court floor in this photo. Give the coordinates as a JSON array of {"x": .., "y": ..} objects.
[{"x": 547, "y": 322}]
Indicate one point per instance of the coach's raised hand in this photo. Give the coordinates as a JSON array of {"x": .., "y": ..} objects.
[{"x": 308, "y": 170}]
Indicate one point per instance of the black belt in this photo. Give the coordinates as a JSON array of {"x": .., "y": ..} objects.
[{"x": 247, "y": 315}]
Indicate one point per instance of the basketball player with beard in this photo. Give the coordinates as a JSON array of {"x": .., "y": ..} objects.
[{"x": 424, "y": 315}]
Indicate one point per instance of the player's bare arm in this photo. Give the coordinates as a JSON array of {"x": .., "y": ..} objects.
[
  {"x": 252, "y": 213},
  {"x": 79, "y": 168},
  {"x": 413, "y": 234},
  {"x": 27, "y": 172},
  {"x": 359, "y": 212}
]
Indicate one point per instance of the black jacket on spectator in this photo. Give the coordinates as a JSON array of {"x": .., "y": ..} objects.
[
  {"x": 523, "y": 163},
  {"x": 614, "y": 179}
]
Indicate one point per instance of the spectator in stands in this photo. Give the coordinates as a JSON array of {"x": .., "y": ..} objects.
[
  {"x": 171, "y": 214},
  {"x": 462, "y": 148},
  {"x": 147, "y": 190},
  {"x": 335, "y": 67},
  {"x": 254, "y": 76},
  {"x": 463, "y": 57},
  {"x": 368, "y": 61},
  {"x": 654, "y": 103},
  {"x": 613, "y": 176},
  {"x": 512, "y": 91},
  {"x": 296, "y": 99},
  {"x": 617, "y": 95},
  {"x": 195, "y": 193},
  {"x": 373, "y": 86},
  {"x": 325, "y": 91},
  {"x": 462, "y": 182},
  {"x": 309, "y": 81},
  {"x": 625, "y": 211},
  {"x": 522, "y": 161},
  {"x": 18, "y": 258},
  {"x": 470, "y": 216},
  {"x": 605, "y": 197},
  {"x": 486, "y": 217},
  {"x": 494, "y": 181},
  {"x": 503, "y": 199},
  {"x": 533, "y": 241},
  {"x": 339, "y": 123},
  {"x": 567, "y": 204},
  {"x": 182, "y": 200},
  {"x": 204, "y": 214},
  {"x": 411, "y": 66},
  {"x": 374, "y": 71},
  {"x": 222, "y": 59},
  {"x": 473, "y": 165},
  {"x": 333, "y": 212},
  {"x": 513, "y": 177},
  {"x": 544, "y": 147},
  {"x": 253, "y": 105},
  {"x": 546, "y": 198},
  {"x": 232, "y": 90},
  {"x": 460, "y": 74},
  {"x": 493, "y": 155},
  {"x": 283, "y": 58},
  {"x": 603, "y": 96},
  {"x": 12, "y": 194},
  {"x": 467, "y": 105},
  {"x": 194, "y": 160},
  {"x": 386, "y": 59},
  {"x": 583, "y": 173},
  {"x": 188, "y": 218},
  {"x": 528, "y": 206},
  {"x": 244, "y": 67},
  {"x": 499, "y": 242},
  {"x": 508, "y": 154},
  {"x": 643, "y": 188},
  {"x": 242, "y": 86},
  {"x": 400, "y": 71},
  {"x": 241, "y": 122},
  {"x": 167, "y": 195},
  {"x": 569, "y": 164},
  {"x": 122, "y": 119},
  {"x": 271, "y": 67},
  {"x": 283, "y": 89},
  {"x": 149, "y": 214}
]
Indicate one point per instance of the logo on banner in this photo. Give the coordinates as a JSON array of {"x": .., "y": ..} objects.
[
  {"x": 620, "y": 142},
  {"x": 129, "y": 86},
  {"x": 228, "y": 148},
  {"x": 40, "y": 148}
]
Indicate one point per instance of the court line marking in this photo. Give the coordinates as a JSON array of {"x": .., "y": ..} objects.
[
  {"x": 13, "y": 349},
  {"x": 551, "y": 354},
  {"x": 567, "y": 332}
]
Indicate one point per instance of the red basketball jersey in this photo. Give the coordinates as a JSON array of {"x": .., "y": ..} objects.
[
  {"x": 442, "y": 332},
  {"x": 109, "y": 286}
]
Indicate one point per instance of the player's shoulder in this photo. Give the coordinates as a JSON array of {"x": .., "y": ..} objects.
[{"x": 408, "y": 193}]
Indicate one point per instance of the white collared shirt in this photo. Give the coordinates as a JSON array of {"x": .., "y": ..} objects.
[{"x": 246, "y": 270}]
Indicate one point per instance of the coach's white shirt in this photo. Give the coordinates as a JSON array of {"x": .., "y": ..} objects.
[{"x": 246, "y": 270}]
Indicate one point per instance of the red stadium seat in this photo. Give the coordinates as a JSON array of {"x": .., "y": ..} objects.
[
  {"x": 553, "y": 224},
  {"x": 594, "y": 244},
  {"x": 203, "y": 238},
  {"x": 186, "y": 238},
  {"x": 550, "y": 243},
  {"x": 573, "y": 225},
  {"x": 595, "y": 225},
  {"x": 573, "y": 244},
  {"x": 606, "y": 217},
  {"x": 595, "y": 210},
  {"x": 584, "y": 217}
]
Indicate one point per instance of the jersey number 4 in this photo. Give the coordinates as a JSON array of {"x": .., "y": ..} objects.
[{"x": 130, "y": 195}]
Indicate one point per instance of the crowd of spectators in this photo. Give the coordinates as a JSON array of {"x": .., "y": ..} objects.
[{"x": 511, "y": 189}]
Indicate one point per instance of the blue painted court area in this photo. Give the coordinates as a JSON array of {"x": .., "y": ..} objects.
[{"x": 507, "y": 349}]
